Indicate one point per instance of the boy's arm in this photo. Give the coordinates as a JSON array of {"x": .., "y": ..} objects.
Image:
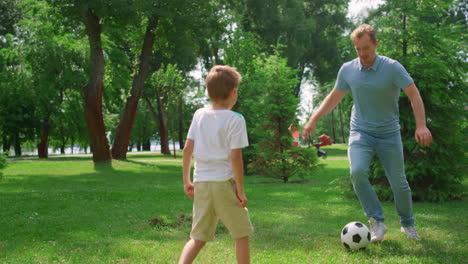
[
  {"x": 238, "y": 170},
  {"x": 186, "y": 164}
]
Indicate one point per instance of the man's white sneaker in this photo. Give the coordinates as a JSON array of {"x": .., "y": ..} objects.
[
  {"x": 378, "y": 230},
  {"x": 410, "y": 232}
]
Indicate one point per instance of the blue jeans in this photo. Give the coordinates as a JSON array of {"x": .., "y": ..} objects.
[{"x": 389, "y": 149}]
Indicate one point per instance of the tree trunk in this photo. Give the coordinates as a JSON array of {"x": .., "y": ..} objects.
[
  {"x": 147, "y": 145},
  {"x": 181, "y": 123},
  {"x": 405, "y": 40},
  {"x": 72, "y": 142},
  {"x": 92, "y": 91},
  {"x": 152, "y": 111},
  {"x": 163, "y": 131},
  {"x": 333, "y": 125},
  {"x": 42, "y": 147},
  {"x": 17, "y": 145},
  {"x": 341, "y": 122},
  {"x": 62, "y": 148},
  {"x": 124, "y": 129},
  {"x": 172, "y": 135},
  {"x": 6, "y": 143}
]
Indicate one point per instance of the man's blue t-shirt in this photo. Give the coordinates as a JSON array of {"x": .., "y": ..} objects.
[{"x": 375, "y": 93}]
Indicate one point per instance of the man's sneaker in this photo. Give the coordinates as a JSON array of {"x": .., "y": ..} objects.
[
  {"x": 378, "y": 230},
  {"x": 410, "y": 232}
]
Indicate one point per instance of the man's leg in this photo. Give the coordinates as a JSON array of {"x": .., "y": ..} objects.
[
  {"x": 243, "y": 250},
  {"x": 390, "y": 152},
  {"x": 360, "y": 152},
  {"x": 191, "y": 250}
]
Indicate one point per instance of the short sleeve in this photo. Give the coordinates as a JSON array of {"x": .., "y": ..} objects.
[
  {"x": 192, "y": 130},
  {"x": 341, "y": 83},
  {"x": 238, "y": 134},
  {"x": 401, "y": 78}
]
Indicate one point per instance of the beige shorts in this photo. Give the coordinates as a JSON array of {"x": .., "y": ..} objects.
[{"x": 215, "y": 201}]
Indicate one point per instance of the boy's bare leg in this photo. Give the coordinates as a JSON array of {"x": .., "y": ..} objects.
[
  {"x": 243, "y": 250},
  {"x": 191, "y": 250}
]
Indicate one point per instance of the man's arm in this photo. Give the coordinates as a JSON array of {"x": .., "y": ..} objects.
[
  {"x": 186, "y": 164},
  {"x": 238, "y": 171},
  {"x": 328, "y": 104},
  {"x": 423, "y": 135}
]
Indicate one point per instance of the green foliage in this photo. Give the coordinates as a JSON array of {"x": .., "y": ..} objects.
[
  {"x": 307, "y": 29},
  {"x": 425, "y": 37},
  {"x": 273, "y": 154},
  {"x": 3, "y": 163},
  {"x": 3, "y": 158}
]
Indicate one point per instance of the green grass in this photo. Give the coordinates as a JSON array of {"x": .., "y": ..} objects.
[{"x": 62, "y": 210}]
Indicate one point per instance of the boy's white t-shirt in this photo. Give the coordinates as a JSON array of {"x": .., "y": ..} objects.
[{"x": 215, "y": 133}]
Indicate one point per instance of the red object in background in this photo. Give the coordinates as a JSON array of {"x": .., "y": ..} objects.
[{"x": 325, "y": 140}]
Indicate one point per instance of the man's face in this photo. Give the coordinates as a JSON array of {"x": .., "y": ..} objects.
[{"x": 365, "y": 49}]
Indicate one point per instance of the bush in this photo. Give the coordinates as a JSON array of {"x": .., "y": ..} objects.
[
  {"x": 271, "y": 153},
  {"x": 3, "y": 162},
  {"x": 294, "y": 162}
]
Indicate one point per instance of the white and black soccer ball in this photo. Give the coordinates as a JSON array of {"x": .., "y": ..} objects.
[{"x": 355, "y": 235}]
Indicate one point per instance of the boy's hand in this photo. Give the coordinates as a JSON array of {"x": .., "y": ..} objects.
[
  {"x": 242, "y": 200},
  {"x": 189, "y": 190}
]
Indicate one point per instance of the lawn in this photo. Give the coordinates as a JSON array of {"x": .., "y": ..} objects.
[{"x": 63, "y": 210}]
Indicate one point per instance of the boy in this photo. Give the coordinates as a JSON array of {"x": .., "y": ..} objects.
[{"x": 216, "y": 138}]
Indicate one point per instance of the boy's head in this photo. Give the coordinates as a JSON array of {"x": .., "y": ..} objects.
[{"x": 221, "y": 81}]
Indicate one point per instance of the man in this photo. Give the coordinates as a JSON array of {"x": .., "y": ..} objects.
[{"x": 375, "y": 82}]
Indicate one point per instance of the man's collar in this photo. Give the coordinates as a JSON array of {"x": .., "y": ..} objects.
[{"x": 374, "y": 66}]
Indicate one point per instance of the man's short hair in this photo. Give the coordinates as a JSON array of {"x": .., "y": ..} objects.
[
  {"x": 221, "y": 80},
  {"x": 362, "y": 30}
]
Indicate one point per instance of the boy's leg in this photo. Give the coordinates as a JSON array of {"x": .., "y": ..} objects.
[
  {"x": 191, "y": 250},
  {"x": 243, "y": 250}
]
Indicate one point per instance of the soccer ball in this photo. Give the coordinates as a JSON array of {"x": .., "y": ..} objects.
[{"x": 355, "y": 235}]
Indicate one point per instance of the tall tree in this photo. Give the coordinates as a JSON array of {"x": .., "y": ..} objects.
[
  {"x": 122, "y": 138},
  {"x": 165, "y": 86},
  {"x": 425, "y": 37},
  {"x": 55, "y": 62},
  {"x": 307, "y": 28},
  {"x": 93, "y": 14}
]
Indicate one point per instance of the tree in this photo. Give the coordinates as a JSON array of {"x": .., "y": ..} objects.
[
  {"x": 165, "y": 87},
  {"x": 122, "y": 138},
  {"x": 425, "y": 37},
  {"x": 275, "y": 157},
  {"x": 55, "y": 64},
  {"x": 307, "y": 29},
  {"x": 93, "y": 14}
]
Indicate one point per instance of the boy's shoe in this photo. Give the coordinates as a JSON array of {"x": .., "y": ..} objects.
[
  {"x": 378, "y": 230},
  {"x": 410, "y": 232}
]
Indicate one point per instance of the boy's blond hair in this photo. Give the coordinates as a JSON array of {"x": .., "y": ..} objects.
[
  {"x": 364, "y": 29},
  {"x": 221, "y": 80}
]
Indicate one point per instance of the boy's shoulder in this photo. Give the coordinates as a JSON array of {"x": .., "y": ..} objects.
[
  {"x": 208, "y": 110},
  {"x": 238, "y": 114}
]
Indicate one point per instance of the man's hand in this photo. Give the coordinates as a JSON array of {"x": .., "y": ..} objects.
[
  {"x": 241, "y": 199},
  {"x": 423, "y": 136},
  {"x": 189, "y": 190},
  {"x": 308, "y": 130}
]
